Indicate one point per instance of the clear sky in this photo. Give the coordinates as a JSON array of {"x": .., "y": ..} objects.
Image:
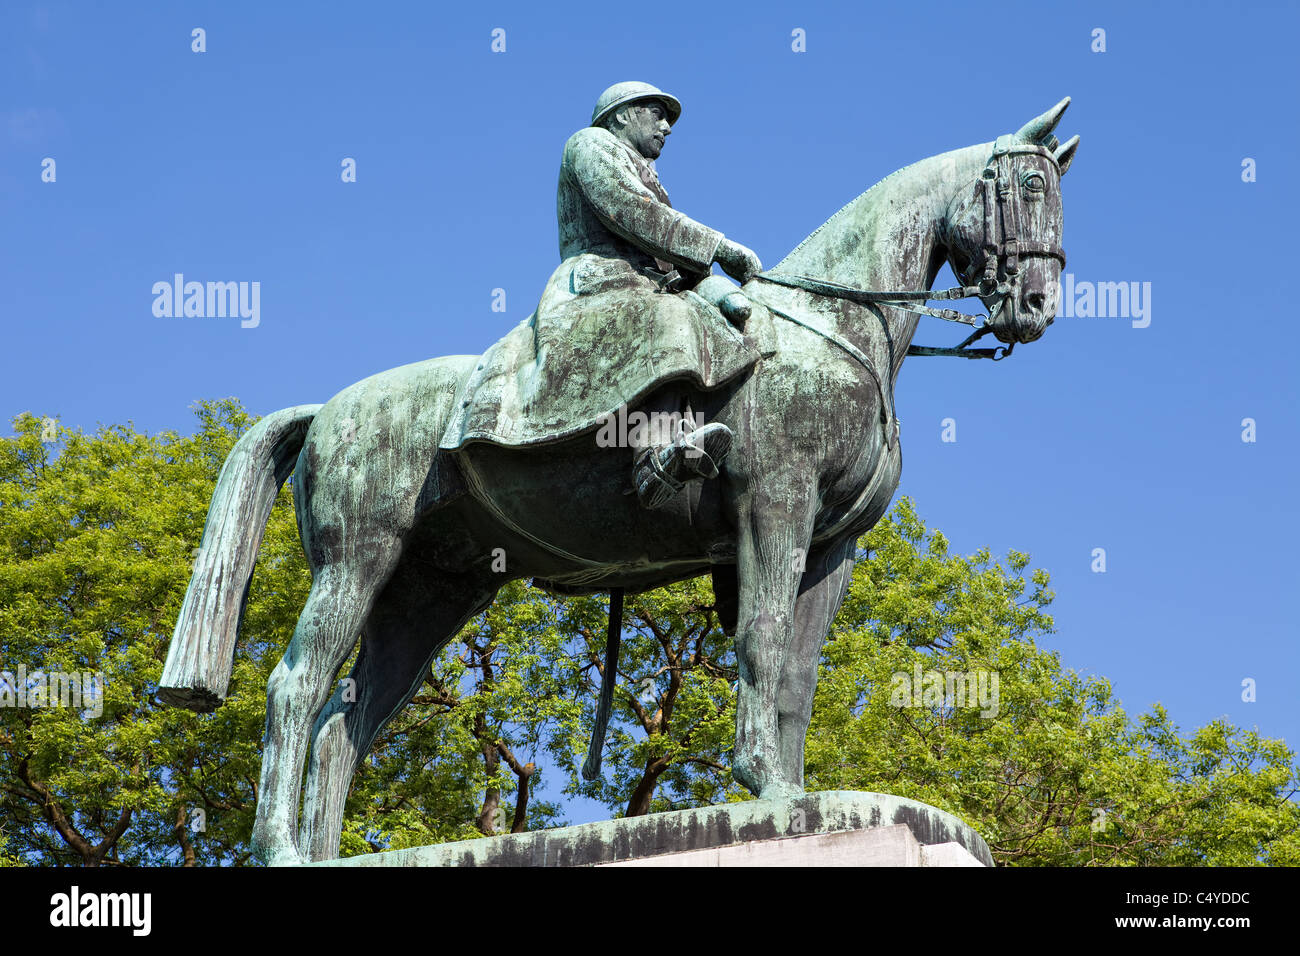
[{"x": 225, "y": 166}]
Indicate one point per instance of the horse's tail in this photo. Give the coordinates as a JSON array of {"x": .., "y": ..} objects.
[{"x": 202, "y": 652}]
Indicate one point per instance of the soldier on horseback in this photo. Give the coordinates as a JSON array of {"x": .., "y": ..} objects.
[{"x": 626, "y": 250}]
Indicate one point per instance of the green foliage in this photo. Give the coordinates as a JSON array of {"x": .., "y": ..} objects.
[
  {"x": 5, "y": 858},
  {"x": 96, "y": 537},
  {"x": 1058, "y": 774}
]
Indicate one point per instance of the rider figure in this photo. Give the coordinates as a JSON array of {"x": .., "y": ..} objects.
[{"x": 614, "y": 213}]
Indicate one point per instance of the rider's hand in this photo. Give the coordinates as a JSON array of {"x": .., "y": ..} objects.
[{"x": 737, "y": 261}]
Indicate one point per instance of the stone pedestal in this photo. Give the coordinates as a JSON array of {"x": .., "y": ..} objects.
[
  {"x": 834, "y": 828},
  {"x": 879, "y": 846}
]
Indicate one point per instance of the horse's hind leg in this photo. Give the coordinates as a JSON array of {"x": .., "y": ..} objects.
[
  {"x": 412, "y": 621},
  {"x": 340, "y": 599}
]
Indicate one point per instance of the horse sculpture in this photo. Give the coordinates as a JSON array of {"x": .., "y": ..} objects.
[{"x": 404, "y": 539}]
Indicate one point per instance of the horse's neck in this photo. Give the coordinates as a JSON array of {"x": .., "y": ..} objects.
[{"x": 889, "y": 238}]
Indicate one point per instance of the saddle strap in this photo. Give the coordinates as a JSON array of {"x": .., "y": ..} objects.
[
  {"x": 613, "y": 637},
  {"x": 595, "y": 569}
]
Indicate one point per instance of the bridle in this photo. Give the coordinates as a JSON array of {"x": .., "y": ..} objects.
[
  {"x": 1003, "y": 245},
  {"x": 1005, "y": 226}
]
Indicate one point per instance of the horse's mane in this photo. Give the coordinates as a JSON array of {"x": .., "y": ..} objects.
[{"x": 853, "y": 203}]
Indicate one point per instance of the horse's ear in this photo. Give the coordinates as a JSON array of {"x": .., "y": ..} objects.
[
  {"x": 1065, "y": 155},
  {"x": 1039, "y": 128}
]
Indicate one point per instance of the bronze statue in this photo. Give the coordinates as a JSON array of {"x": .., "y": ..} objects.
[{"x": 412, "y": 484}]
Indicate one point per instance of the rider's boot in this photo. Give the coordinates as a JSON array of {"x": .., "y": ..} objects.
[{"x": 663, "y": 470}]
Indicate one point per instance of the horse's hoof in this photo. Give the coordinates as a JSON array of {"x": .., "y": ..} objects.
[{"x": 285, "y": 858}]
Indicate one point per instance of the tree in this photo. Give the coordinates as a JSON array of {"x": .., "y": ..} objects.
[
  {"x": 932, "y": 686},
  {"x": 97, "y": 534},
  {"x": 1048, "y": 767}
]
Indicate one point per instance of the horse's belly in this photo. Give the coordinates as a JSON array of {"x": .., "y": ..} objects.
[{"x": 576, "y": 502}]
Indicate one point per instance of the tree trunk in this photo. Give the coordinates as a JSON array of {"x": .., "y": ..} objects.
[
  {"x": 639, "y": 804},
  {"x": 183, "y": 837}
]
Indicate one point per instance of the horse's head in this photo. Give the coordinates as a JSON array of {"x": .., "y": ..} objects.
[{"x": 1004, "y": 231}]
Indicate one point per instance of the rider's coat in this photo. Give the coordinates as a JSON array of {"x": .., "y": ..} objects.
[
  {"x": 610, "y": 205},
  {"x": 604, "y": 335}
]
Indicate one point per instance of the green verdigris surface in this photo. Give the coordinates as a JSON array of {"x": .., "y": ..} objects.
[
  {"x": 407, "y": 539},
  {"x": 728, "y": 824}
]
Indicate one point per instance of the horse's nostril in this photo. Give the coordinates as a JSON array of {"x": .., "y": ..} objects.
[{"x": 1036, "y": 301}]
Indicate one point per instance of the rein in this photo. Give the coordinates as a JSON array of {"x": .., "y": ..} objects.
[{"x": 898, "y": 300}]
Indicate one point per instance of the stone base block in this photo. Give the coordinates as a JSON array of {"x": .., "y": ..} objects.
[
  {"x": 881, "y": 846},
  {"x": 833, "y": 828}
]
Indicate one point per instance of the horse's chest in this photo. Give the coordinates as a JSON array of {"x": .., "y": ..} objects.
[{"x": 860, "y": 497}]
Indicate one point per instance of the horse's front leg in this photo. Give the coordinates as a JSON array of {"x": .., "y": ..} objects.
[
  {"x": 821, "y": 593},
  {"x": 775, "y": 523}
]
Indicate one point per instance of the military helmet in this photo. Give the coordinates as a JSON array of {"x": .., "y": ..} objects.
[{"x": 620, "y": 94}]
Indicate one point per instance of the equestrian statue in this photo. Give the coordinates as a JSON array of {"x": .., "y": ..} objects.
[{"x": 766, "y": 443}]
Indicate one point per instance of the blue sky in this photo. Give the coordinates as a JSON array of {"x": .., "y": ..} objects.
[{"x": 225, "y": 166}]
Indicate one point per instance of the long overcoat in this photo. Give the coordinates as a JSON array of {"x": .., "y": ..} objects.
[{"x": 604, "y": 334}]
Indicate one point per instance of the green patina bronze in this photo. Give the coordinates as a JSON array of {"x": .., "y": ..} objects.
[
  {"x": 729, "y": 824},
  {"x": 414, "y": 485}
]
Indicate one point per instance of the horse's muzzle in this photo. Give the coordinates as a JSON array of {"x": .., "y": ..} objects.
[{"x": 1024, "y": 317}]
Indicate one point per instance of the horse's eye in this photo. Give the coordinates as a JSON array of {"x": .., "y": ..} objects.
[{"x": 1034, "y": 182}]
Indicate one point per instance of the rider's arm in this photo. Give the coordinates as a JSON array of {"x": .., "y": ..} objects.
[{"x": 602, "y": 170}]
